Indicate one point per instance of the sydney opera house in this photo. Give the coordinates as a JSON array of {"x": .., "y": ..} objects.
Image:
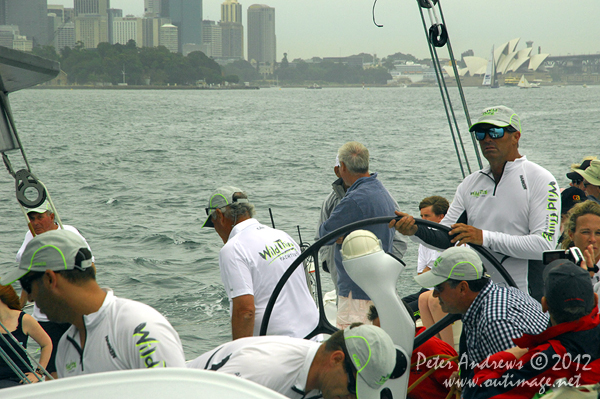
[{"x": 506, "y": 58}]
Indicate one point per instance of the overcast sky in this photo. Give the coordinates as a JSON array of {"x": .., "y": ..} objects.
[{"x": 307, "y": 28}]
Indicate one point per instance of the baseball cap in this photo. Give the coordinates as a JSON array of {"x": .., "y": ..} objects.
[
  {"x": 373, "y": 354},
  {"x": 592, "y": 173},
  {"x": 583, "y": 166},
  {"x": 54, "y": 250},
  {"x": 40, "y": 209},
  {"x": 570, "y": 197},
  {"x": 222, "y": 197},
  {"x": 567, "y": 285},
  {"x": 457, "y": 263},
  {"x": 500, "y": 116}
]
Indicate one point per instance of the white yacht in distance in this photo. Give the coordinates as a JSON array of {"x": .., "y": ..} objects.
[{"x": 524, "y": 84}]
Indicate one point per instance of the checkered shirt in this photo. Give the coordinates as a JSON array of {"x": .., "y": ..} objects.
[{"x": 496, "y": 316}]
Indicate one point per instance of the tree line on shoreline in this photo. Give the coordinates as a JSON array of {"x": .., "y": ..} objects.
[{"x": 117, "y": 63}]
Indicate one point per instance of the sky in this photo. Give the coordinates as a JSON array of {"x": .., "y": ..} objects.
[{"x": 332, "y": 28}]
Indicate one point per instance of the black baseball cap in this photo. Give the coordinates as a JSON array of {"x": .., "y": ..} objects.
[
  {"x": 567, "y": 285},
  {"x": 570, "y": 197}
]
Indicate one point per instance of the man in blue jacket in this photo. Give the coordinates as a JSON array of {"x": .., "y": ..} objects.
[{"x": 365, "y": 198}]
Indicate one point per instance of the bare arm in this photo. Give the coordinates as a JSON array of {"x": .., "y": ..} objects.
[
  {"x": 32, "y": 328},
  {"x": 242, "y": 316}
]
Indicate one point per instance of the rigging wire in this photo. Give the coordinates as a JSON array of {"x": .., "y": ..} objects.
[{"x": 437, "y": 36}]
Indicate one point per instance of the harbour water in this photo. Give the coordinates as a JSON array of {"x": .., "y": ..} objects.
[{"x": 132, "y": 170}]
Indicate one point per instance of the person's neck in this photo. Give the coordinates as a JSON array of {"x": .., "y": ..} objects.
[
  {"x": 84, "y": 300},
  {"x": 497, "y": 166},
  {"x": 6, "y": 314},
  {"x": 354, "y": 177},
  {"x": 312, "y": 380}
]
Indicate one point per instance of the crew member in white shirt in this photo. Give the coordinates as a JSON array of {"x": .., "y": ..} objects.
[
  {"x": 42, "y": 220},
  {"x": 107, "y": 333},
  {"x": 354, "y": 362},
  {"x": 252, "y": 261}
]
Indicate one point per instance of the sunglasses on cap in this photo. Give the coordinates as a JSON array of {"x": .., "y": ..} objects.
[{"x": 493, "y": 132}]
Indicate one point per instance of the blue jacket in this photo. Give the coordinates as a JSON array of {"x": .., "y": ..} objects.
[{"x": 367, "y": 198}]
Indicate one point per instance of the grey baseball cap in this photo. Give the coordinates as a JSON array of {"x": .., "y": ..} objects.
[
  {"x": 499, "y": 116},
  {"x": 373, "y": 354},
  {"x": 457, "y": 263},
  {"x": 222, "y": 197},
  {"x": 54, "y": 250}
]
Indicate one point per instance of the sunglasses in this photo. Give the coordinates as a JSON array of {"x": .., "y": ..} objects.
[
  {"x": 28, "y": 279},
  {"x": 213, "y": 207},
  {"x": 350, "y": 371},
  {"x": 493, "y": 132}
]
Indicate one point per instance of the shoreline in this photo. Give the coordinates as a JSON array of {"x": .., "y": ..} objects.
[{"x": 414, "y": 85}]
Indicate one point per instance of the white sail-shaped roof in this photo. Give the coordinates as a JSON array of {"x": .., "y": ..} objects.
[
  {"x": 521, "y": 57},
  {"x": 450, "y": 71},
  {"x": 476, "y": 65},
  {"x": 512, "y": 45},
  {"x": 504, "y": 61},
  {"x": 498, "y": 52},
  {"x": 536, "y": 60}
]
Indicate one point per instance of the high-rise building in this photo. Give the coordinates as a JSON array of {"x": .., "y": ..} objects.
[
  {"x": 58, "y": 10},
  {"x": 151, "y": 30},
  {"x": 92, "y": 7},
  {"x": 91, "y": 29},
  {"x": 167, "y": 37},
  {"x": 112, "y": 14},
  {"x": 65, "y": 36},
  {"x": 54, "y": 22},
  {"x": 126, "y": 29},
  {"x": 152, "y": 8},
  {"x": 232, "y": 30},
  {"x": 261, "y": 34},
  {"x": 30, "y": 16},
  {"x": 211, "y": 39},
  {"x": 92, "y": 19},
  {"x": 187, "y": 16}
]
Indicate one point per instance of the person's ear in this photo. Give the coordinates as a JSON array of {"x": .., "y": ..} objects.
[{"x": 336, "y": 357}]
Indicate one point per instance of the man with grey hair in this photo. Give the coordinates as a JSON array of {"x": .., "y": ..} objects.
[
  {"x": 365, "y": 198},
  {"x": 252, "y": 261}
]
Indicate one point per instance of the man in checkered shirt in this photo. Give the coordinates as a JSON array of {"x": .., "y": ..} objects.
[{"x": 492, "y": 315}]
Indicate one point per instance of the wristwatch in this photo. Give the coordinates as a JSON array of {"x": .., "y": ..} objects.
[{"x": 594, "y": 269}]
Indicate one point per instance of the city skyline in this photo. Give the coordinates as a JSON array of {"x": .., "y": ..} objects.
[{"x": 315, "y": 28}]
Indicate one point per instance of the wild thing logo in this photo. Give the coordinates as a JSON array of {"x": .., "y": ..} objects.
[{"x": 277, "y": 249}]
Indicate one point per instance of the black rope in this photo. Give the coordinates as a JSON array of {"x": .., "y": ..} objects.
[{"x": 375, "y": 22}]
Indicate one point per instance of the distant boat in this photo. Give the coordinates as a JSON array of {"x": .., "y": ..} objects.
[
  {"x": 524, "y": 84},
  {"x": 511, "y": 81},
  {"x": 490, "y": 78},
  {"x": 314, "y": 86}
]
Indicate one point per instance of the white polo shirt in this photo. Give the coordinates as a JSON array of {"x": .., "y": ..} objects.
[
  {"x": 278, "y": 363},
  {"x": 123, "y": 334},
  {"x": 427, "y": 257},
  {"x": 252, "y": 262}
]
